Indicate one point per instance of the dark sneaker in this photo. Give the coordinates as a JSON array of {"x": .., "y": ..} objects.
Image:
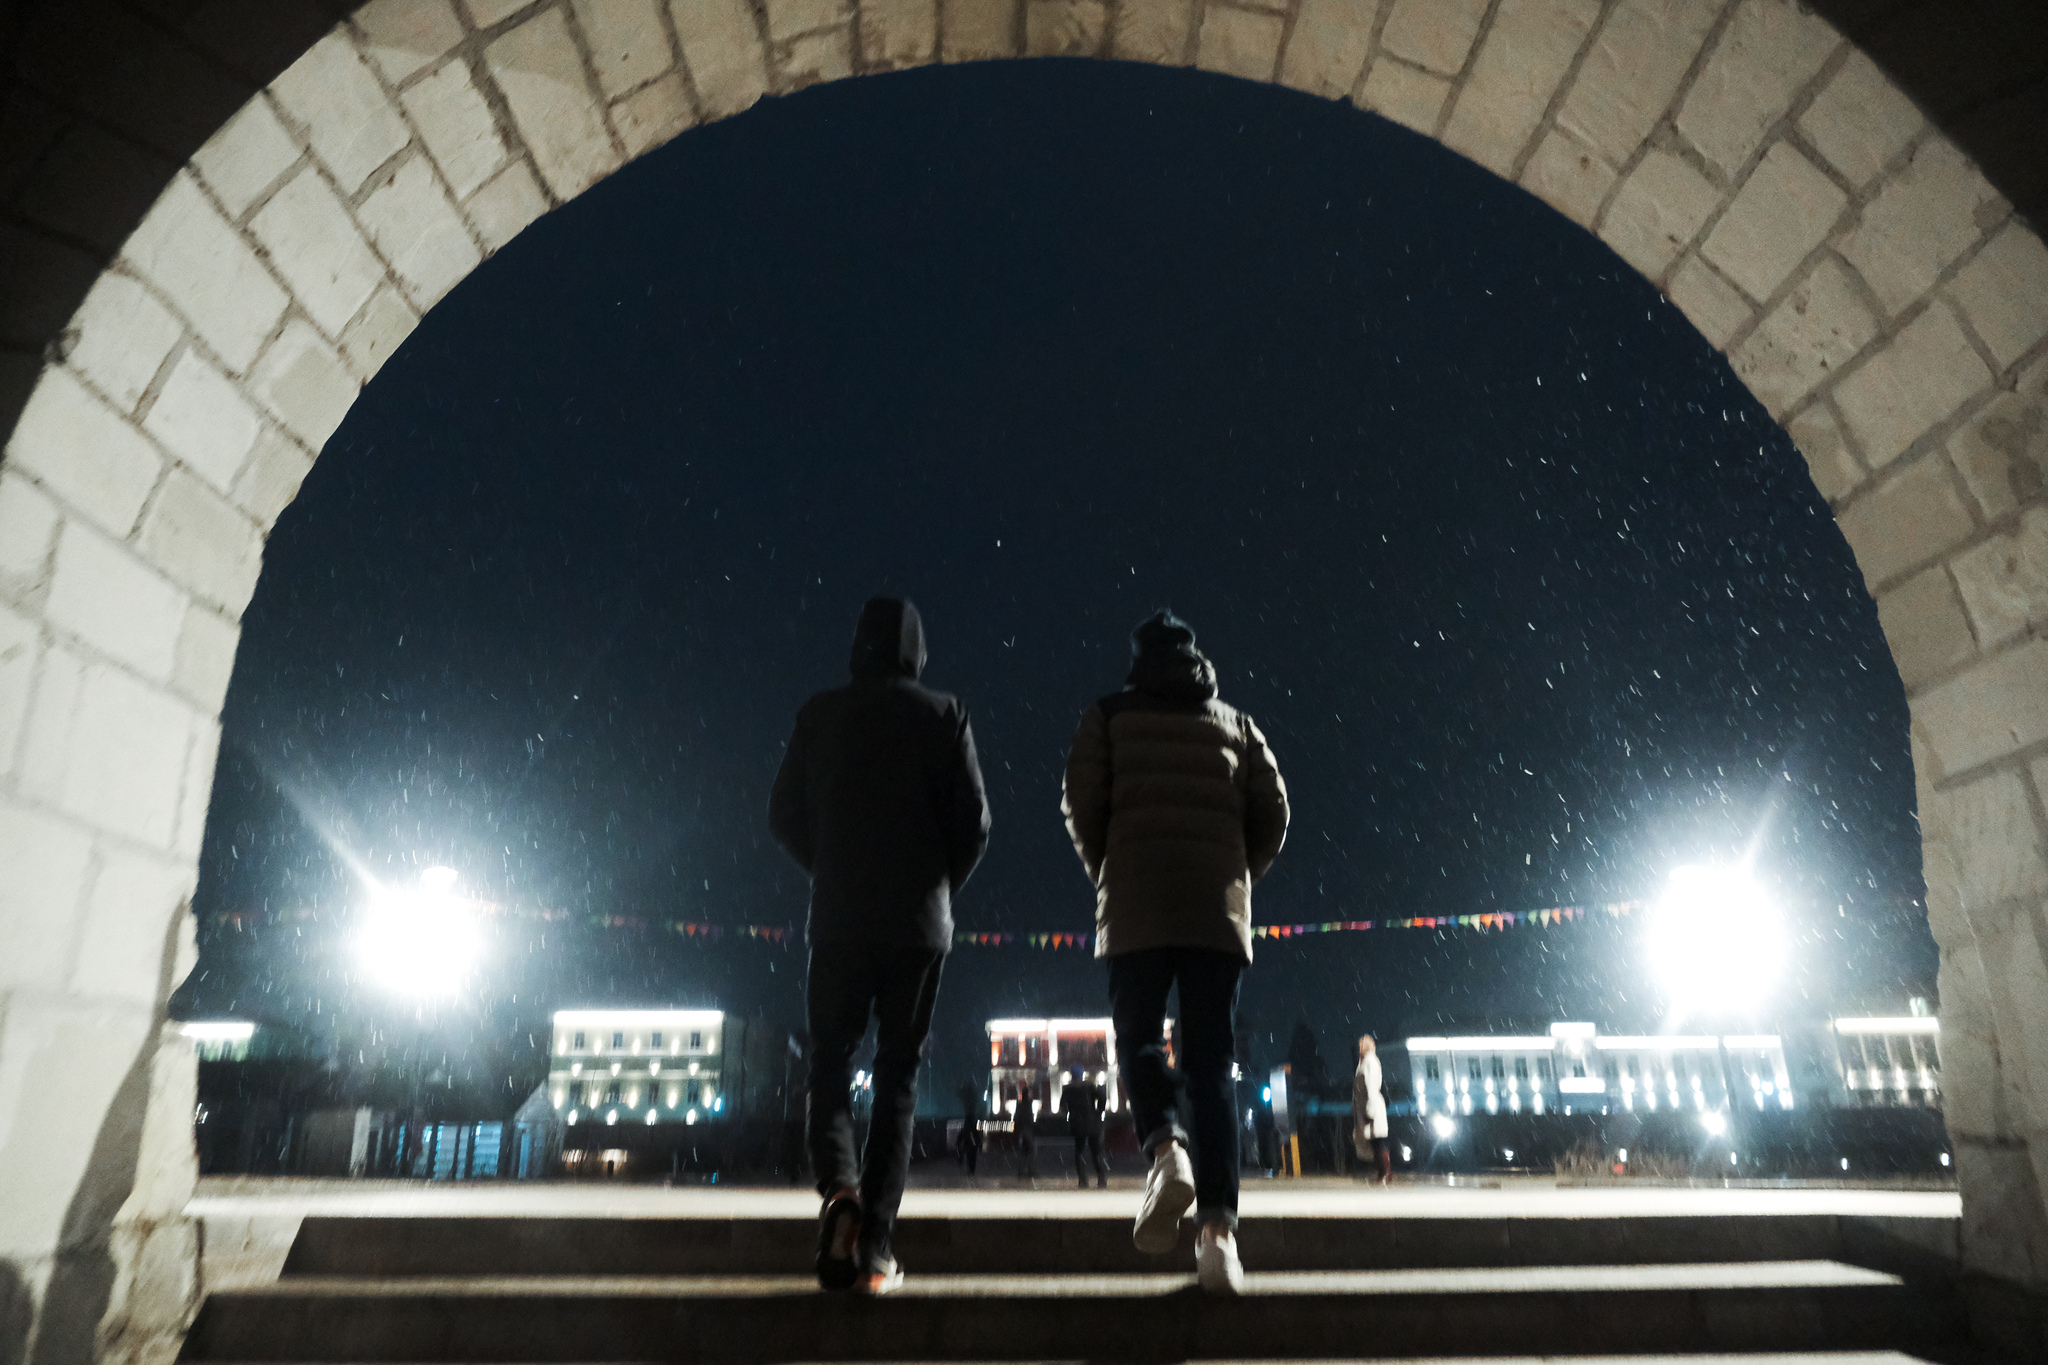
[
  {"x": 838, "y": 1231},
  {"x": 884, "y": 1279}
]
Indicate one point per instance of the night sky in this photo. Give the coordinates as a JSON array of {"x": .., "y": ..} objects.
[{"x": 1533, "y": 602}]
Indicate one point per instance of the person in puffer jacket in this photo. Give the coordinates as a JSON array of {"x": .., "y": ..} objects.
[{"x": 1176, "y": 807}]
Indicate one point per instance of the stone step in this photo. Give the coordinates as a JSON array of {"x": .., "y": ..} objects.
[
  {"x": 416, "y": 1246},
  {"x": 1809, "y": 1305}
]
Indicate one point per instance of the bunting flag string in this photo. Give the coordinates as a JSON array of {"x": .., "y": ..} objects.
[{"x": 784, "y": 934}]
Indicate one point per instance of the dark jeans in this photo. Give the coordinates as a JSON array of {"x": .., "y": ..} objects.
[
  {"x": 1087, "y": 1146},
  {"x": 899, "y": 986},
  {"x": 1207, "y": 1046}
]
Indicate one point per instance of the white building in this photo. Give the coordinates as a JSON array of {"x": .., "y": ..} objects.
[
  {"x": 1038, "y": 1055},
  {"x": 1889, "y": 1061},
  {"x": 1576, "y": 1068},
  {"x": 637, "y": 1066}
]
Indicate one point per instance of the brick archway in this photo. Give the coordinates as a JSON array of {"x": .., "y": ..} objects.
[{"x": 1866, "y": 281}]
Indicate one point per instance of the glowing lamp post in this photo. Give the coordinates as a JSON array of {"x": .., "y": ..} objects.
[
  {"x": 420, "y": 942},
  {"x": 1716, "y": 942}
]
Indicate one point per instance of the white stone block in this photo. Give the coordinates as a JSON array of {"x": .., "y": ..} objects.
[
  {"x": 1433, "y": 34},
  {"x": 47, "y": 862},
  {"x": 1992, "y": 710},
  {"x": 1768, "y": 51},
  {"x": 1064, "y": 28},
  {"x": 788, "y": 18},
  {"x": 119, "y": 338},
  {"x": 127, "y": 924},
  {"x": 246, "y": 157},
  {"x": 404, "y": 37},
  {"x": 501, "y": 210},
  {"x": 1569, "y": 176},
  {"x": 1239, "y": 42},
  {"x": 1812, "y": 332},
  {"x": 1154, "y": 31},
  {"x": 1712, "y": 304},
  {"x": 1327, "y": 49},
  {"x": 1924, "y": 624},
  {"x": 1906, "y": 520},
  {"x": 379, "y": 330},
  {"x": 542, "y": 76},
  {"x": 304, "y": 384},
  {"x": 112, "y": 752},
  {"x": 207, "y": 271},
  {"x": 1776, "y": 219},
  {"x": 204, "y": 544},
  {"x": 1524, "y": 57},
  {"x": 2002, "y": 452},
  {"x": 21, "y": 648},
  {"x": 1632, "y": 72},
  {"x": 489, "y": 13},
  {"x": 652, "y": 115},
  {"x": 314, "y": 244},
  {"x": 895, "y": 34},
  {"x": 2005, "y": 580},
  {"x": 1410, "y": 97},
  {"x": 202, "y": 418},
  {"x": 1920, "y": 377},
  {"x": 457, "y": 126},
  {"x": 2004, "y": 292},
  {"x": 1658, "y": 210},
  {"x": 352, "y": 126},
  {"x": 206, "y": 657},
  {"x": 410, "y": 218},
  {"x": 83, "y": 452},
  {"x": 92, "y": 1049},
  {"x": 271, "y": 478},
  {"x": 812, "y": 58},
  {"x": 28, "y": 531},
  {"x": 1836, "y": 471},
  {"x": 1860, "y": 120},
  {"x": 628, "y": 44},
  {"x": 198, "y": 788},
  {"x": 115, "y": 602},
  {"x": 1922, "y": 219},
  {"x": 978, "y": 30},
  {"x": 722, "y": 49}
]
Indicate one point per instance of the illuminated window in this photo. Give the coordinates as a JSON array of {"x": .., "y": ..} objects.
[
  {"x": 1543, "y": 1068},
  {"x": 1429, "y": 1069},
  {"x": 618, "y": 1040},
  {"x": 655, "y": 1039},
  {"x": 1472, "y": 1068},
  {"x": 696, "y": 1040},
  {"x": 1521, "y": 1068},
  {"x": 581, "y": 1042},
  {"x": 693, "y": 1094},
  {"x": 611, "y": 1094},
  {"x": 1500, "y": 1069}
]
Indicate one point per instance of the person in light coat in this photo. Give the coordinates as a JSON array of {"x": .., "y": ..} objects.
[{"x": 1369, "y": 1111}]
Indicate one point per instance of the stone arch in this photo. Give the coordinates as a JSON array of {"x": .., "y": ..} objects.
[{"x": 1866, "y": 281}]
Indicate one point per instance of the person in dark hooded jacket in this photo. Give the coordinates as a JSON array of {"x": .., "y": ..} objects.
[
  {"x": 880, "y": 800},
  {"x": 1176, "y": 807}
]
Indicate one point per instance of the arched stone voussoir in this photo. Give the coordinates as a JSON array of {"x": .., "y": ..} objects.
[{"x": 1864, "y": 280}]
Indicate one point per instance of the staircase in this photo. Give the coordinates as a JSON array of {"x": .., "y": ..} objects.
[{"x": 560, "y": 1289}]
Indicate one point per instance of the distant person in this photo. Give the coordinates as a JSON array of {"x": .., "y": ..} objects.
[
  {"x": 880, "y": 799},
  {"x": 967, "y": 1147},
  {"x": 1084, "y": 1120},
  {"x": 1026, "y": 1128},
  {"x": 1176, "y": 807},
  {"x": 1369, "y": 1112}
]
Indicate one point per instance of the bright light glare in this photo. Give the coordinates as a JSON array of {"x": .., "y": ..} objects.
[
  {"x": 1442, "y": 1126},
  {"x": 419, "y": 942},
  {"x": 1714, "y": 1122},
  {"x": 1715, "y": 940}
]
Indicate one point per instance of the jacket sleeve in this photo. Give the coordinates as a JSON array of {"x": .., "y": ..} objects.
[
  {"x": 1085, "y": 800},
  {"x": 967, "y": 814},
  {"x": 789, "y": 807},
  {"x": 1265, "y": 805}
]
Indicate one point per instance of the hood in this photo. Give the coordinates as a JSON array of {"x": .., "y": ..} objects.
[
  {"x": 1166, "y": 664},
  {"x": 889, "y": 641}
]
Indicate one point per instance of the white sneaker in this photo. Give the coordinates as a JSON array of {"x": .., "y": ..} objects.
[
  {"x": 1217, "y": 1268},
  {"x": 1169, "y": 1189}
]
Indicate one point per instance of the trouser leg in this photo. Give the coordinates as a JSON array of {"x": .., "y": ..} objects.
[
  {"x": 837, "y": 996},
  {"x": 908, "y": 989},
  {"x": 1383, "y": 1157},
  {"x": 1138, "y": 983},
  {"x": 1208, "y": 1025}
]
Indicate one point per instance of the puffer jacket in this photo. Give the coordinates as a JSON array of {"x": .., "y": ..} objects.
[{"x": 1174, "y": 803}]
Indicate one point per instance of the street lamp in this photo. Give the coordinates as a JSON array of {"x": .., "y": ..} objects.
[
  {"x": 420, "y": 941},
  {"x": 1716, "y": 941}
]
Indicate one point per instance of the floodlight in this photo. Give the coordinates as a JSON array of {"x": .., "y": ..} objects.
[
  {"x": 1715, "y": 1122},
  {"x": 420, "y": 941},
  {"x": 1716, "y": 941},
  {"x": 1442, "y": 1126}
]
